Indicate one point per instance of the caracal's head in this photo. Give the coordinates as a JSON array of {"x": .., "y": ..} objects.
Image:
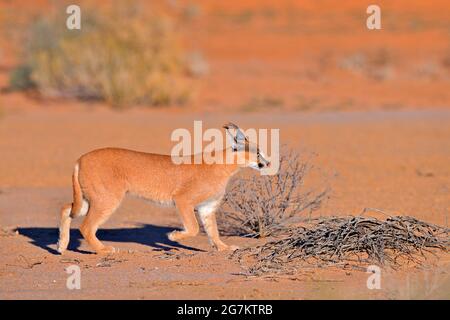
[{"x": 245, "y": 152}]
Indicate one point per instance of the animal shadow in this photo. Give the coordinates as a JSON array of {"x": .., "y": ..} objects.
[{"x": 146, "y": 234}]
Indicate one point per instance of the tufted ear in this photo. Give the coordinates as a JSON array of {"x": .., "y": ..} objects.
[{"x": 235, "y": 135}]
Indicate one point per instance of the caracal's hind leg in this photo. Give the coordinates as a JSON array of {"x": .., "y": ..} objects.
[
  {"x": 71, "y": 211},
  {"x": 64, "y": 228},
  {"x": 99, "y": 212},
  {"x": 187, "y": 214}
]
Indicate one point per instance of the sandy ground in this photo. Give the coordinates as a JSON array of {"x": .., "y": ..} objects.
[
  {"x": 395, "y": 161},
  {"x": 374, "y": 107}
]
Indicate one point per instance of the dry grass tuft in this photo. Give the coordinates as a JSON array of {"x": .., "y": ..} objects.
[{"x": 121, "y": 56}]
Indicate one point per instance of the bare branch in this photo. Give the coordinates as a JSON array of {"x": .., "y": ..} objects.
[{"x": 261, "y": 206}]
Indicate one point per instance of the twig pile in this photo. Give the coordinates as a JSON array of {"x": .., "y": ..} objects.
[{"x": 348, "y": 242}]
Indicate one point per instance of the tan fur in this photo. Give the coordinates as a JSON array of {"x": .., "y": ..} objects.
[{"x": 102, "y": 178}]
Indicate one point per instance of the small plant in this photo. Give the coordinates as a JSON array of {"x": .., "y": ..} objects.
[
  {"x": 263, "y": 206},
  {"x": 377, "y": 65},
  {"x": 265, "y": 102}
]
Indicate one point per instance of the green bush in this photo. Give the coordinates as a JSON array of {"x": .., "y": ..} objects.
[{"x": 122, "y": 58}]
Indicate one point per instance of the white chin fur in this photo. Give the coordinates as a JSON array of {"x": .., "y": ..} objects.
[{"x": 254, "y": 166}]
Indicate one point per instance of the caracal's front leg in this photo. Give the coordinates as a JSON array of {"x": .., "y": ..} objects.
[{"x": 208, "y": 217}]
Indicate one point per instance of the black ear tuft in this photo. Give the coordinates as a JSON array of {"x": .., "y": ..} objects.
[{"x": 230, "y": 125}]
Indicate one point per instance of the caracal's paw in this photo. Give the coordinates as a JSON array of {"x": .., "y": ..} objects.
[
  {"x": 177, "y": 235},
  {"x": 174, "y": 235},
  {"x": 61, "y": 246},
  {"x": 107, "y": 250}
]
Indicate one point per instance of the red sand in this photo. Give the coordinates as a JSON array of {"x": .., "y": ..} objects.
[{"x": 387, "y": 139}]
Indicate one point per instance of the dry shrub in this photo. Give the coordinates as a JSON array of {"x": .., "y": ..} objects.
[
  {"x": 120, "y": 56},
  {"x": 377, "y": 65},
  {"x": 351, "y": 242},
  {"x": 263, "y": 206}
]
